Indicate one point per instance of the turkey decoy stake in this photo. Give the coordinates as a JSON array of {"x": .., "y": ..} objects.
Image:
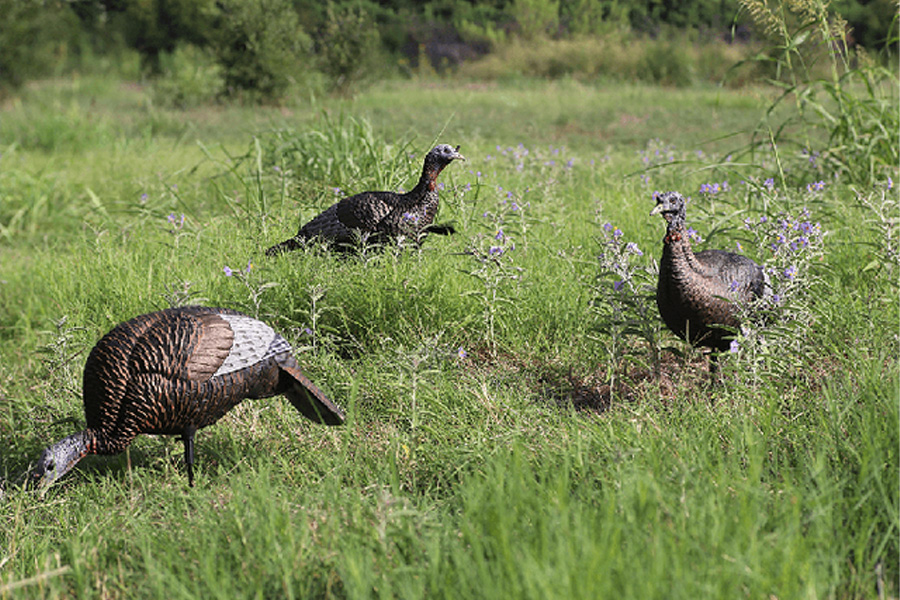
[
  {"x": 380, "y": 217},
  {"x": 697, "y": 293},
  {"x": 176, "y": 371}
]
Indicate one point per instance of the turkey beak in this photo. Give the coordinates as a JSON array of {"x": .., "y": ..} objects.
[
  {"x": 656, "y": 210},
  {"x": 456, "y": 154}
]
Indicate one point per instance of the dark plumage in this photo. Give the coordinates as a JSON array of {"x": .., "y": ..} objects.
[
  {"x": 379, "y": 217},
  {"x": 696, "y": 293},
  {"x": 176, "y": 371}
]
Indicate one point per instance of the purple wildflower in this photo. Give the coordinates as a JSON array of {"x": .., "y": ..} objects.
[
  {"x": 145, "y": 196},
  {"x": 228, "y": 271},
  {"x": 617, "y": 233},
  {"x": 307, "y": 331},
  {"x": 337, "y": 191},
  {"x": 769, "y": 183},
  {"x": 734, "y": 286},
  {"x": 816, "y": 186},
  {"x": 499, "y": 235},
  {"x": 694, "y": 235},
  {"x": 711, "y": 188},
  {"x": 734, "y": 347},
  {"x": 633, "y": 248},
  {"x": 617, "y": 285},
  {"x": 495, "y": 251},
  {"x": 607, "y": 227},
  {"x": 790, "y": 272},
  {"x": 461, "y": 353}
]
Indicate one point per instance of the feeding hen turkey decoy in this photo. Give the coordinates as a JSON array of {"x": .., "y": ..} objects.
[
  {"x": 377, "y": 217},
  {"x": 696, "y": 293},
  {"x": 176, "y": 371}
]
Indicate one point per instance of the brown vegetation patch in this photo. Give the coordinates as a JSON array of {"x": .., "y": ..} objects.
[{"x": 564, "y": 386}]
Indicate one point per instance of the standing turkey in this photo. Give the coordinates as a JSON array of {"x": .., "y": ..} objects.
[
  {"x": 379, "y": 217},
  {"x": 176, "y": 371},
  {"x": 696, "y": 293}
]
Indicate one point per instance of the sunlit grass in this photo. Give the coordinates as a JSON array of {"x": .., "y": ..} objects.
[{"x": 482, "y": 457}]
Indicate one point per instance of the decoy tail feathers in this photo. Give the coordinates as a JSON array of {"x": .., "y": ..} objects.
[{"x": 307, "y": 398}]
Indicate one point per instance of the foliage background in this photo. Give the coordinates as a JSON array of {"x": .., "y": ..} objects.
[
  {"x": 298, "y": 46},
  {"x": 521, "y": 424}
]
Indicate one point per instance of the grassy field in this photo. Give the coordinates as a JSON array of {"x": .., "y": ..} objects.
[{"x": 516, "y": 429}]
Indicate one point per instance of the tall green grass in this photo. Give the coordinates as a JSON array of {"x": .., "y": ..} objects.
[{"x": 484, "y": 456}]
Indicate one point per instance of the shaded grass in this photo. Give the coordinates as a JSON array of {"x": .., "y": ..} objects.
[{"x": 458, "y": 474}]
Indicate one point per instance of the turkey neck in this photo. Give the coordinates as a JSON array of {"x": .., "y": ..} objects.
[
  {"x": 677, "y": 250},
  {"x": 426, "y": 188}
]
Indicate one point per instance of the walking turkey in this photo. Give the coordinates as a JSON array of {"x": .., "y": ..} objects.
[
  {"x": 380, "y": 217},
  {"x": 176, "y": 371},
  {"x": 697, "y": 293}
]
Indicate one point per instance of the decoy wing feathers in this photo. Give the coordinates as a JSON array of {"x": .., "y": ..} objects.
[
  {"x": 211, "y": 348},
  {"x": 306, "y": 397},
  {"x": 729, "y": 268}
]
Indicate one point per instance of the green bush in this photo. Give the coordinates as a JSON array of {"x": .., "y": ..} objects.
[
  {"x": 190, "y": 77},
  {"x": 837, "y": 115},
  {"x": 155, "y": 27},
  {"x": 34, "y": 38},
  {"x": 536, "y": 18},
  {"x": 593, "y": 17},
  {"x": 666, "y": 63},
  {"x": 618, "y": 56},
  {"x": 260, "y": 46},
  {"x": 349, "y": 49}
]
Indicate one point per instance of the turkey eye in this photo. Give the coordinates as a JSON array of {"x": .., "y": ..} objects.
[{"x": 50, "y": 466}]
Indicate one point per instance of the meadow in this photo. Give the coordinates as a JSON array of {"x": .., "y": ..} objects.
[{"x": 521, "y": 425}]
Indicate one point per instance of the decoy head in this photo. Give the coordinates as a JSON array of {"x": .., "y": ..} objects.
[
  {"x": 444, "y": 154},
  {"x": 669, "y": 205},
  {"x": 57, "y": 460}
]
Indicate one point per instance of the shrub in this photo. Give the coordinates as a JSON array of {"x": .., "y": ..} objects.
[
  {"x": 843, "y": 123},
  {"x": 34, "y": 36},
  {"x": 260, "y": 46},
  {"x": 349, "y": 48},
  {"x": 536, "y": 18},
  {"x": 593, "y": 17},
  {"x": 667, "y": 63},
  {"x": 190, "y": 77}
]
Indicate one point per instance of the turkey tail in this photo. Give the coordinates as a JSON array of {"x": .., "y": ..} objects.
[
  {"x": 286, "y": 246},
  {"x": 306, "y": 397},
  {"x": 441, "y": 229}
]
